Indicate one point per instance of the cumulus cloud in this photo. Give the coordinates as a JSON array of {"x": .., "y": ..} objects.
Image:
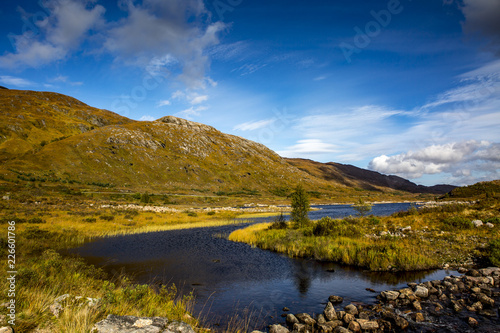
[
  {"x": 54, "y": 36},
  {"x": 461, "y": 160},
  {"x": 483, "y": 16},
  {"x": 174, "y": 28}
]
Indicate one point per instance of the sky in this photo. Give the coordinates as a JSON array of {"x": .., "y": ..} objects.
[{"x": 410, "y": 88}]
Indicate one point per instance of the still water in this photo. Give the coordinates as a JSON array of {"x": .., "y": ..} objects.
[{"x": 235, "y": 279}]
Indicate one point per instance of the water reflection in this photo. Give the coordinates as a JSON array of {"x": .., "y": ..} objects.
[{"x": 232, "y": 278}]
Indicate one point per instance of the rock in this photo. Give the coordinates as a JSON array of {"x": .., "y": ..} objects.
[
  {"x": 351, "y": 309},
  {"x": 6, "y": 329},
  {"x": 320, "y": 319},
  {"x": 473, "y": 273},
  {"x": 478, "y": 306},
  {"x": 177, "y": 327},
  {"x": 490, "y": 225},
  {"x": 291, "y": 320},
  {"x": 405, "y": 229},
  {"x": 301, "y": 328},
  {"x": 417, "y": 306},
  {"x": 335, "y": 299},
  {"x": 334, "y": 323},
  {"x": 489, "y": 271},
  {"x": 457, "y": 307},
  {"x": 390, "y": 295},
  {"x": 421, "y": 292},
  {"x": 477, "y": 223},
  {"x": 340, "y": 329},
  {"x": 132, "y": 324},
  {"x": 418, "y": 317},
  {"x": 485, "y": 300},
  {"x": 354, "y": 327},
  {"x": 61, "y": 302},
  {"x": 324, "y": 328},
  {"x": 348, "y": 318},
  {"x": 367, "y": 324},
  {"x": 340, "y": 315},
  {"x": 472, "y": 322},
  {"x": 286, "y": 309},
  {"x": 306, "y": 319},
  {"x": 397, "y": 320},
  {"x": 364, "y": 315},
  {"x": 329, "y": 312},
  {"x": 277, "y": 329}
]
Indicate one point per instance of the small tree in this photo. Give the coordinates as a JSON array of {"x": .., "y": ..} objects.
[
  {"x": 300, "y": 207},
  {"x": 361, "y": 207}
]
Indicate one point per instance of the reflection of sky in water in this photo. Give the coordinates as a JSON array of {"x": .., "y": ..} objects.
[{"x": 229, "y": 277}]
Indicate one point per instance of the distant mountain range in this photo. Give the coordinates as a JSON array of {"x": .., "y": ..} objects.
[{"x": 55, "y": 139}]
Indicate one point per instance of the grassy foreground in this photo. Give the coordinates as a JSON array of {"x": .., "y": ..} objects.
[
  {"x": 43, "y": 274},
  {"x": 435, "y": 237}
]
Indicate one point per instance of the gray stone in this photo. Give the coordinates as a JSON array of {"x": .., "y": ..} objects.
[
  {"x": 490, "y": 225},
  {"x": 305, "y": 318},
  {"x": 291, "y": 320},
  {"x": 367, "y": 324},
  {"x": 133, "y": 324},
  {"x": 277, "y": 329},
  {"x": 329, "y": 312},
  {"x": 390, "y": 295},
  {"x": 335, "y": 299},
  {"x": 351, "y": 309},
  {"x": 489, "y": 271},
  {"x": 421, "y": 292},
  {"x": 340, "y": 329},
  {"x": 477, "y": 223}
]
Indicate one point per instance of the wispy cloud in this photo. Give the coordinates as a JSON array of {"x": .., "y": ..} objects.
[
  {"x": 15, "y": 81},
  {"x": 147, "y": 118},
  {"x": 191, "y": 112},
  {"x": 163, "y": 103},
  {"x": 254, "y": 125},
  {"x": 309, "y": 147}
]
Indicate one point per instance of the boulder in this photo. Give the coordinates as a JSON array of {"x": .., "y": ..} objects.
[
  {"x": 354, "y": 327},
  {"x": 422, "y": 292},
  {"x": 329, "y": 312},
  {"x": 291, "y": 320},
  {"x": 351, "y": 309},
  {"x": 477, "y": 223},
  {"x": 6, "y": 329},
  {"x": 301, "y": 328},
  {"x": 390, "y": 295},
  {"x": 277, "y": 329},
  {"x": 489, "y": 271},
  {"x": 132, "y": 324},
  {"x": 490, "y": 225},
  {"x": 335, "y": 299},
  {"x": 306, "y": 319},
  {"x": 63, "y": 301},
  {"x": 341, "y": 329},
  {"x": 177, "y": 327},
  {"x": 334, "y": 323},
  {"x": 367, "y": 324}
]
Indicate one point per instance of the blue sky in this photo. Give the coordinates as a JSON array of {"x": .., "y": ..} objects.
[{"x": 402, "y": 87}]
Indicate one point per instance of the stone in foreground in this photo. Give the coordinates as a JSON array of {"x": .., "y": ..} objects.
[{"x": 133, "y": 324}]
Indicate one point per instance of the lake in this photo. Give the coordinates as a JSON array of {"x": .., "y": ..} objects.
[{"x": 231, "y": 279}]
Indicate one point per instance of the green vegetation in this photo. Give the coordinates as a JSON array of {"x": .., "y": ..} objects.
[
  {"x": 362, "y": 208},
  {"x": 443, "y": 235},
  {"x": 300, "y": 207}
]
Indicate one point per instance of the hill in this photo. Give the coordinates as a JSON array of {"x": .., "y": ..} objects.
[
  {"x": 352, "y": 176},
  {"x": 49, "y": 140}
]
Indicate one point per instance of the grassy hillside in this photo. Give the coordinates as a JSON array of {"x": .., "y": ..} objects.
[{"x": 50, "y": 140}]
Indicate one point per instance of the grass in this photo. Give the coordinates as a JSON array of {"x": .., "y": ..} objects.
[
  {"x": 43, "y": 274},
  {"x": 442, "y": 235}
]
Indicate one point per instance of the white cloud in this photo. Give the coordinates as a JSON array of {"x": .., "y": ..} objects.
[
  {"x": 64, "y": 79},
  {"x": 198, "y": 99},
  {"x": 175, "y": 28},
  {"x": 163, "y": 103},
  {"x": 15, "y": 81},
  {"x": 319, "y": 78},
  {"x": 191, "y": 112},
  {"x": 54, "y": 37},
  {"x": 254, "y": 125},
  {"x": 461, "y": 160},
  {"x": 308, "y": 147},
  {"x": 147, "y": 118},
  {"x": 190, "y": 97}
]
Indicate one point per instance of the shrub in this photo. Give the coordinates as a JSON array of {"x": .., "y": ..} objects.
[
  {"x": 335, "y": 228},
  {"x": 279, "y": 223},
  {"x": 456, "y": 223},
  {"x": 36, "y": 220},
  {"x": 90, "y": 220},
  {"x": 494, "y": 249},
  {"x": 192, "y": 214},
  {"x": 300, "y": 207},
  {"x": 146, "y": 198},
  {"x": 211, "y": 212},
  {"x": 493, "y": 220},
  {"x": 362, "y": 208},
  {"x": 107, "y": 217}
]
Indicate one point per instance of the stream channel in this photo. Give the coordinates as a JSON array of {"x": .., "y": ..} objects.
[{"x": 232, "y": 279}]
